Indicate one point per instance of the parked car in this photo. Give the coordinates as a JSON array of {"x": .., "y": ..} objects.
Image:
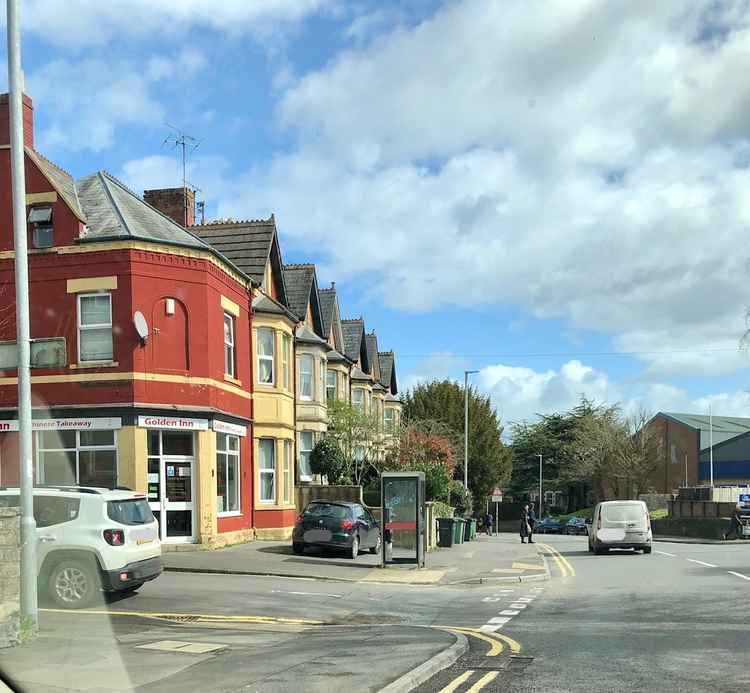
[
  {"x": 549, "y": 525},
  {"x": 620, "y": 525},
  {"x": 576, "y": 525},
  {"x": 91, "y": 539},
  {"x": 340, "y": 525}
]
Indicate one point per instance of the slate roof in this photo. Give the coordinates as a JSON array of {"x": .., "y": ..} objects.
[
  {"x": 247, "y": 244},
  {"x": 724, "y": 427},
  {"x": 61, "y": 181},
  {"x": 371, "y": 344},
  {"x": 327, "y": 304},
  {"x": 388, "y": 370},
  {"x": 265, "y": 304},
  {"x": 334, "y": 355},
  {"x": 359, "y": 374},
  {"x": 113, "y": 212},
  {"x": 299, "y": 280},
  {"x": 304, "y": 335},
  {"x": 353, "y": 331}
]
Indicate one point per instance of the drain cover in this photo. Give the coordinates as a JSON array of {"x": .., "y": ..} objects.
[{"x": 182, "y": 646}]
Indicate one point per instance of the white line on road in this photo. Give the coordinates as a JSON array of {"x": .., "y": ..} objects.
[
  {"x": 518, "y": 606},
  {"x": 525, "y": 599},
  {"x": 499, "y": 620},
  {"x": 708, "y": 565},
  {"x": 739, "y": 575},
  {"x": 509, "y": 612},
  {"x": 308, "y": 594},
  {"x": 664, "y": 553}
]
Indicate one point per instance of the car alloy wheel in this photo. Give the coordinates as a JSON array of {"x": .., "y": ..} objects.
[
  {"x": 376, "y": 549},
  {"x": 355, "y": 547},
  {"x": 72, "y": 584}
]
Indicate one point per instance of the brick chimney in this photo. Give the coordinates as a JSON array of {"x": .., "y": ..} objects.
[
  {"x": 177, "y": 203},
  {"x": 28, "y": 120}
]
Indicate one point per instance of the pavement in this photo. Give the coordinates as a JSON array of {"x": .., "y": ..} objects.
[
  {"x": 672, "y": 620},
  {"x": 484, "y": 559}
]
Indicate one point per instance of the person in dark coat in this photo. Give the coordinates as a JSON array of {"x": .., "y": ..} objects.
[
  {"x": 532, "y": 523},
  {"x": 488, "y": 520},
  {"x": 735, "y": 527},
  {"x": 525, "y": 528}
]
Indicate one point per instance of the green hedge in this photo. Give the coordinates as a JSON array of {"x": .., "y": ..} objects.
[{"x": 443, "y": 509}]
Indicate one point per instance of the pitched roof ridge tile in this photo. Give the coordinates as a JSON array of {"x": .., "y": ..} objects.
[
  {"x": 300, "y": 265},
  {"x": 229, "y": 221},
  {"x": 51, "y": 163}
]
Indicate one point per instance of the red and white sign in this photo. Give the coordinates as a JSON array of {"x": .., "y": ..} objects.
[
  {"x": 173, "y": 423},
  {"x": 230, "y": 428},
  {"x": 65, "y": 424}
]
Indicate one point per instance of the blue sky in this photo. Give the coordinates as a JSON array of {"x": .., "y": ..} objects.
[{"x": 554, "y": 193}]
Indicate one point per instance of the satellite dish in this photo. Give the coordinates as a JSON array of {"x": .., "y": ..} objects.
[{"x": 141, "y": 326}]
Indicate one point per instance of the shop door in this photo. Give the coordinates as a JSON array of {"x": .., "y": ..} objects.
[{"x": 171, "y": 485}]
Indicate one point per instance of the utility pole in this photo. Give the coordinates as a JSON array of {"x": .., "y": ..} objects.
[
  {"x": 21, "y": 261},
  {"x": 711, "y": 444},
  {"x": 466, "y": 427},
  {"x": 540, "y": 486}
]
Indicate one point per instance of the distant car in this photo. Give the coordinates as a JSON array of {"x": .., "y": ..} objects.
[
  {"x": 348, "y": 527},
  {"x": 576, "y": 525},
  {"x": 549, "y": 525},
  {"x": 620, "y": 525},
  {"x": 91, "y": 539}
]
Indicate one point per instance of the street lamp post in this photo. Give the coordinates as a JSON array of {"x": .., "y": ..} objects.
[
  {"x": 540, "y": 486},
  {"x": 21, "y": 261},
  {"x": 466, "y": 427}
]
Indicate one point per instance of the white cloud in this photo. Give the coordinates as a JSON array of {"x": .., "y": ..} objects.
[
  {"x": 106, "y": 94},
  {"x": 80, "y": 23},
  {"x": 580, "y": 160}
]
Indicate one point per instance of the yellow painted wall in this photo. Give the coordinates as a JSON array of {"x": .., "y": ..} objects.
[
  {"x": 205, "y": 486},
  {"x": 132, "y": 462}
]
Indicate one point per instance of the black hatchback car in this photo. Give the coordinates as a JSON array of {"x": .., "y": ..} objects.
[{"x": 337, "y": 525}]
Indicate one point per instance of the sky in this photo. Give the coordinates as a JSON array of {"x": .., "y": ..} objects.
[{"x": 554, "y": 193}]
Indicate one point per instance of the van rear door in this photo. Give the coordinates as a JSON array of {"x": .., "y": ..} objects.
[{"x": 631, "y": 517}]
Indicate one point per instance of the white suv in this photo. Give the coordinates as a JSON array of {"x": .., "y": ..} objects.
[{"x": 91, "y": 539}]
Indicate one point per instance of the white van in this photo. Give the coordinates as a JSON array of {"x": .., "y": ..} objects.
[{"x": 620, "y": 525}]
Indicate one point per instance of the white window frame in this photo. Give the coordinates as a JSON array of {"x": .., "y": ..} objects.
[
  {"x": 229, "y": 347},
  {"x": 78, "y": 449},
  {"x": 332, "y": 386},
  {"x": 266, "y": 357},
  {"x": 303, "y": 358},
  {"x": 268, "y": 472},
  {"x": 235, "y": 455},
  {"x": 98, "y": 326},
  {"x": 304, "y": 450},
  {"x": 287, "y": 472},
  {"x": 389, "y": 423},
  {"x": 360, "y": 406},
  {"x": 322, "y": 381},
  {"x": 286, "y": 344}
]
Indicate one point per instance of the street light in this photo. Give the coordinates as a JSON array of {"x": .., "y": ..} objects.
[
  {"x": 466, "y": 427},
  {"x": 540, "y": 485}
]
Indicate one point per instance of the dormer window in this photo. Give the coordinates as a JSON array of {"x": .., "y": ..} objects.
[{"x": 40, "y": 218}]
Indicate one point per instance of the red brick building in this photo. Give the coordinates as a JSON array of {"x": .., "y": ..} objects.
[{"x": 141, "y": 354}]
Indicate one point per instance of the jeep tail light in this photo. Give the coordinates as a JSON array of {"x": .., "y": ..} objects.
[
  {"x": 114, "y": 537},
  {"x": 347, "y": 524}
]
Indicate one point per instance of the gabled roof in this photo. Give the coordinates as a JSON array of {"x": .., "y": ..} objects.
[
  {"x": 60, "y": 180},
  {"x": 327, "y": 305},
  {"x": 354, "y": 342},
  {"x": 334, "y": 355},
  {"x": 302, "y": 292},
  {"x": 371, "y": 344},
  {"x": 388, "y": 371},
  {"x": 248, "y": 244},
  {"x": 359, "y": 374},
  {"x": 113, "y": 212},
  {"x": 304, "y": 335}
]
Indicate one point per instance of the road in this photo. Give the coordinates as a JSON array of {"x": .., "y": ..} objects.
[{"x": 674, "y": 620}]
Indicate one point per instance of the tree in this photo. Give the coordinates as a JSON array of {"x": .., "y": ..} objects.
[
  {"x": 424, "y": 446},
  {"x": 327, "y": 460},
  {"x": 358, "y": 437},
  {"x": 443, "y": 401}
]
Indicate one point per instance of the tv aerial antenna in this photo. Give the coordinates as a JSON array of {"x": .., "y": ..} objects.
[{"x": 187, "y": 144}]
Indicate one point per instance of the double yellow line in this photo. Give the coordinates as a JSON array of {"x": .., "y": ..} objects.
[
  {"x": 478, "y": 686},
  {"x": 563, "y": 564}
]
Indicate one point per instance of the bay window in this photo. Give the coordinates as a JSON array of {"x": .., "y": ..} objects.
[
  {"x": 306, "y": 443},
  {"x": 266, "y": 355},
  {"x": 305, "y": 377},
  {"x": 331, "y": 385},
  {"x": 267, "y": 469}
]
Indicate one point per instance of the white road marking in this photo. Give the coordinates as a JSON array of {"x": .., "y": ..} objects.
[
  {"x": 491, "y": 599},
  {"x": 489, "y": 629},
  {"x": 525, "y": 599},
  {"x": 518, "y": 606},
  {"x": 308, "y": 594},
  {"x": 664, "y": 553},
  {"x": 739, "y": 575},
  {"x": 509, "y": 612},
  {"x": 499, "y": 620},
  {"x": 708, "y": 565}
]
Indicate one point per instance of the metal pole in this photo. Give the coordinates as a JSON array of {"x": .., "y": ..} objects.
[
  {"x": 17, "y": 154},
  {"x": 711, "y": 443},
  {"x": 540, "y": 486}
]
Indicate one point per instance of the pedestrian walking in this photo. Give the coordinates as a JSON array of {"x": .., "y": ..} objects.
[
  {"x": 488, "y": 523},
  {"x": 735, "y": 527},
  {"x": 532, "y": 523},
  {"x": 525, "y": 528}
]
